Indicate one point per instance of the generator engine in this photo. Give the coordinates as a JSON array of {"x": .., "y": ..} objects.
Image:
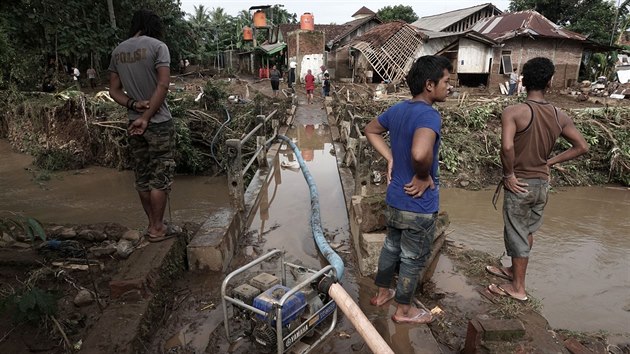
[{"x": 300, "y": 313}]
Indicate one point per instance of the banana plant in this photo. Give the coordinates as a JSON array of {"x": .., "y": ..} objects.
[{"x": 13, "y": 224}]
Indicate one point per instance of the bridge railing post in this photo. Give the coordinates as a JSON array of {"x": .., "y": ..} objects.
[
  {"x": 362, "y": 167},
  {"x": 235, "y": 174},
  {"x": 261, "y": 142}
]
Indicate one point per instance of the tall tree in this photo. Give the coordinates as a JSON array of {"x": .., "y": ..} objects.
[
  {"x": 398, "y": 12},
  {"x": 592, "y": 18}
]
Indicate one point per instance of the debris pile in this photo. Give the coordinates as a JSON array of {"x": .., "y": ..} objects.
[{"x": 600, "y": 88}]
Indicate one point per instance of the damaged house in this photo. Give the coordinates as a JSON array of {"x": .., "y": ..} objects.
[
  {"x": 450, "y": 35},
  {"x": 485, "y": 44},
  {"x": 312, "y": 48},
  {"x": 385, "y": 53},
  {"x": 524, "y": 35}
]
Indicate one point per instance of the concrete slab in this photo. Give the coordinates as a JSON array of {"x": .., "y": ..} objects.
[
  {"x": 212, "y": 247},
  {"x": 128, "y": 320}
]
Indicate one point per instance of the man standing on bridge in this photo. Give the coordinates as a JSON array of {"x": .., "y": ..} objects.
[
  {"x": 529, "y": 132},
  {"x": 140, "y": 65},
  {"x": 413, "y": 185}
]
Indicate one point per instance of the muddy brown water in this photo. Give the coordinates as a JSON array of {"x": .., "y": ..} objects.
[
  {"x": 580, "y": 263},
  {"x": 97, "y": 194},
  {"x": 579, "y": 268}
]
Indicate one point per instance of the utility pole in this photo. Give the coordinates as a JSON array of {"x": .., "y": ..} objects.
[
  {"x": 112, "y": 17},
  {"x": 614, "y": 30}
]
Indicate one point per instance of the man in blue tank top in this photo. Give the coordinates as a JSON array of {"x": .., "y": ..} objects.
[{"x": 413, "y": 185}]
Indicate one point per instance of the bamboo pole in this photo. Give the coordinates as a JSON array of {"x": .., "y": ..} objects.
[{"x": 365, "y": 328}]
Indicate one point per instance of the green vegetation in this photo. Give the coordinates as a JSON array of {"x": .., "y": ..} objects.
[
  {"x": 29, "y": 304},
  {"x": 41, "y": 39},
  {"x": 397, "y": 12},
  {"x": 471, "y": 143},
  {"x": 14, "y": 224}
]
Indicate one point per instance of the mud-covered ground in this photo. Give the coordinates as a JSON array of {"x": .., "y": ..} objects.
[{"x": 78, "y": 130}]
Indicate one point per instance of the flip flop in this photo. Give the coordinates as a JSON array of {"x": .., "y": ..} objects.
[
  {"x": 391, "y": 295},
  {"x": 171, "y": 231},
  {"x": 498, "y": 272},
  {"x": 498, "y": 290},
  {"x": 417, "y": 319}
]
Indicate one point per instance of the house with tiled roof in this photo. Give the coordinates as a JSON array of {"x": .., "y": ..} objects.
[
  {"x": 524, "y": 35},
  {"x": 485, "y": 45},
  {"x": 363, "y": 12}
]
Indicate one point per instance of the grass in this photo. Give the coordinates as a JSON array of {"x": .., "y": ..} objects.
[{"x": 472, "y": 263}]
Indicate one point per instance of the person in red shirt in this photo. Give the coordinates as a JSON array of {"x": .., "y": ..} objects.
[{"x": 309, "y": 81}]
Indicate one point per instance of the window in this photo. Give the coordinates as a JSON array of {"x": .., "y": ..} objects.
[{"x": 506, "y": 62}]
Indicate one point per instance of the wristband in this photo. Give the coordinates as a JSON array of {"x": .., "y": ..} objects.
[
  {"x": 127, "y": 104},
  {"x": 508, "y": 176}
]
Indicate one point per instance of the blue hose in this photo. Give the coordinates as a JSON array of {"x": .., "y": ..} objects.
[{"x": 316, "y": 221}]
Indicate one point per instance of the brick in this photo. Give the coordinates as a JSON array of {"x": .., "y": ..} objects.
[
  {"x": 473, "y": 337},
  {"x": 575, "y": 347},
  {"x": 502, "y": 330},
  {"x": 119, "y": 287}
]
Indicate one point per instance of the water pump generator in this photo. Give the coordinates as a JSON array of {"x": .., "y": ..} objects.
[{"x": 279, "y": 311}]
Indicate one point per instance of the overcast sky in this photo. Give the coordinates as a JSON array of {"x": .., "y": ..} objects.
[{"x": 340, "y": 11}]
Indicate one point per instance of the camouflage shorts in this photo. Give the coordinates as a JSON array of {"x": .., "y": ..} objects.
[
  {"x": 523, "y": 215},
  {"x": 153, "y": 156}
]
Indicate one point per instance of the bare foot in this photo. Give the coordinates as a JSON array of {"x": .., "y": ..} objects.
[
  {"x": 414, "y": 315},
  {"x": 383, "y": 296}
]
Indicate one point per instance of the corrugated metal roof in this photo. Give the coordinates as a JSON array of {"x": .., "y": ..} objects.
[
  {"x": 441, "y": 21},
  {"x": 524, "y": 23},
  {"x": 364, "y": 11},
  {"x": 271, "y": 49}
]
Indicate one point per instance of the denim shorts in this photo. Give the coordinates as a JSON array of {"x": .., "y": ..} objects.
[
  {"x": 523, "y": 215},
  {"x": 407, "y": 246},
  {"x": 153, "y": 154}
]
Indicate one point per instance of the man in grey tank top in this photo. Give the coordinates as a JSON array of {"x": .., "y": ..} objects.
[
  {"x": 140, "y": 66},
  {"x": 528, "y": 133}
]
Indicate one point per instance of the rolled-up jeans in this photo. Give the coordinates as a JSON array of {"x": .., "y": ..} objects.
[{"x": 408, "y": 245}]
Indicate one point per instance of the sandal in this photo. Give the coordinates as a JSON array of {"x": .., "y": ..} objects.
[
  {"x": 391, "y": 295},
  {"x": 171, "y": 231},
  {"x": 423, "y": 317}
]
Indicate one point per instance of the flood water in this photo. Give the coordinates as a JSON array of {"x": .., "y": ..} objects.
[
  {"x": 97, "y": 194},
  {"x": 579, "y": 267}
]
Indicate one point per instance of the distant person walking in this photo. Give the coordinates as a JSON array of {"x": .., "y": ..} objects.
[
  {"x": 291, "y": 76},
  {"x": 141, "y": 66},
  {"x": 412, "y": 198},
  {"x": 529, "y": 132},
  {"x": 513, "y": 83},
  {"x": 320, "y": 76},
  {"x": 274, "y": 77},
  {"x": 309, "y": 85},
  {"x": 91, "y": 73},
  {"x": 75, "y": 77},
  {"x": 326, "y": 85}
]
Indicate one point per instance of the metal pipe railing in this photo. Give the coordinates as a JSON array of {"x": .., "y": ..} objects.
[{"x": 236, "y": 170}]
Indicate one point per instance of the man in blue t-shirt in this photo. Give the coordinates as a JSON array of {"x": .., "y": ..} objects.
[{"x": 413, "y": 185}]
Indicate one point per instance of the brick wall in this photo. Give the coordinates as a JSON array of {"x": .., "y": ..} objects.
[
  {"x": 307, "y": 49},
  {"x": 305, "y": 42},
  {"x": 566, "y": 56}
]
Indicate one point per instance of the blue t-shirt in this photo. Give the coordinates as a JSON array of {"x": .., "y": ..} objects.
[{"x": 401, "y": 121}]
